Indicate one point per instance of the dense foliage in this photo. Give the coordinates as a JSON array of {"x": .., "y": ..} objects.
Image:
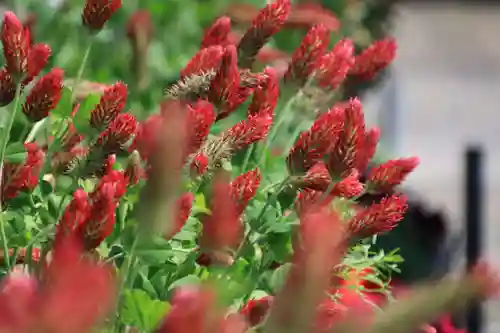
[{"x": 210, "y": 214}]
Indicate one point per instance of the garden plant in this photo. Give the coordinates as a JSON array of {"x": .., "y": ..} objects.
[{"x": 208, "y": 214}]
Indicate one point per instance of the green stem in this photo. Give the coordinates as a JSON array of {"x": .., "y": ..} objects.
[
  {"x": 35, "y": 130},
  {"x": 247, "y": 158},
  {"x": 281, "y": 118},
  {"x": 124, "y": 276},
  {"x": 280, "y": 188},
  {"x": 5, "y": 245},
  {"x": 3, "y": 147},
  {"x": 293, "y": 138}
]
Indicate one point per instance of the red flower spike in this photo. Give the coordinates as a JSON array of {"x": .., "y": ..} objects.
[
  {"x": 191, "y": 307},
  {"x": 267, "y": 23},
  {"x": 44, "y": 95},
  {"x": 308, "y": 199},
  {"x": 317, "y": 250},
  {"x": 199, "y": 164},
  {"x": 374, "y": 59},
  {"x": 183, "y": 209},
  {"x": 316, "y": 178},
  {"x": 20, "y": 177},
  {"x": 16, "y": 44},
  {"x": 333, "y": 67},
  {"x": 349, "y": 187},
  {"x": 114, "y": 179},
  {"x": 225, "y": 91},
  {"x": 384, "y": 177},
  {"x": 147, "y": 136},
  {"x": 266, "y": 96},
  {"x": 27, "y": 306},
  {"x": 251, "y": 130},
  {"x": 70, "y": 278},
  {"x": 255, "y": 310},
  {"x": 344, "y": 155},
  {"x": 200, "y": 118},
  {"x": 108, "y": 165},
  {"x": 118, "y": 134},
  {"x": 313, "y": 145},
  {"x": 104, "y": 200},
  {"x": 74, "y": 215},
  {"x": 368, "y": 149},
  {"x": 97, "y": 12},
  {"x": 140, "y": 25},
  {"x": 100, "y": 222},
  {"x": 205, "y": 60},
  {"x": 379, "y": 217},
  {"x": 306, "y": 57},
  {"x": 110, "y": 105},
  {"x": 218, "y": 33},
  {"x": 7, "y": 88},
  {"x": 18, "y": 293},
  {"x": 222, "y": 228},
  {"x": 38, "y": 57},
  {"x": 244, "y": 187}
]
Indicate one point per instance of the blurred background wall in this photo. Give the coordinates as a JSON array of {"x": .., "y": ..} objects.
[{"x": 447, "y": 77}]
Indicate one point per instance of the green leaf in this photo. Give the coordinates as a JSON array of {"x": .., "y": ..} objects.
[
  {"x": 15, "y": 153},
  {"x": 200, "y": 205},
  {"x": 278, "y": 277},
  {"x": 187, "y": 280},
  {"x": 16, "y": 158},
  {"x": 142, "y": 312},
  {"x": 257, "y": 294},
  {"x": 65, "y": 106},
  {"x": 15, "y": 148},
  {"x": 64, "y": 184},
  {"x": 81, "y": 121},
  {"x": 45, "y": 188}
]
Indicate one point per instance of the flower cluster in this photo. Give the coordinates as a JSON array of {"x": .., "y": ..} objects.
[{"x": 192, "y": 193}]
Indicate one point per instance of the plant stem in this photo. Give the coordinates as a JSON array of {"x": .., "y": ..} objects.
[
  {"x": 293, "y": 138},
  {"x": 3, "y": 147},
  {"x": 34, "y": 130},
  {"x": 247, "y": 158},
  {"x": 280, "y": 188},
  {"x": 282, "y": 117},
  {"x": 124, "y": 275}
]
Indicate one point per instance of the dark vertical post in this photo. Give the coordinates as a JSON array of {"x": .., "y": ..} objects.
[{"x": 474, "y": 198}]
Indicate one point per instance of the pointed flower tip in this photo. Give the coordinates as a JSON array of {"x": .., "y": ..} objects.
[
  {"x": 10, "y": 19},
  {"x": 44, "y": 96},
  {"x": 217, "y": 33},
  {"x": 97, "y": 12}
]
